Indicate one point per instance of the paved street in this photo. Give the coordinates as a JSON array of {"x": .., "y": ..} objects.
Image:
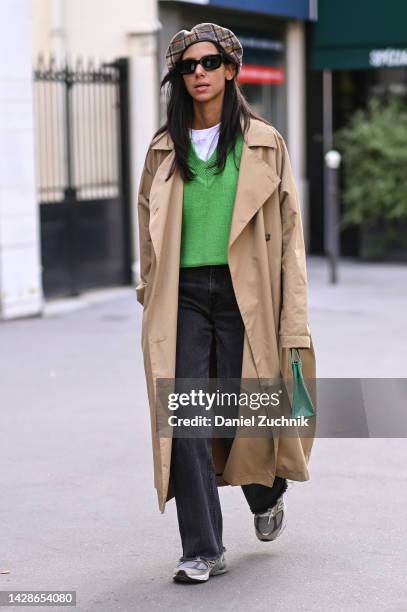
[{"x": 78, "y": 508}]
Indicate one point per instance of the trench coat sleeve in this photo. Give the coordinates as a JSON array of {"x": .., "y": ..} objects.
[
  {"x": 294, "y": 331},
  {"x": 145, "y": 246}
]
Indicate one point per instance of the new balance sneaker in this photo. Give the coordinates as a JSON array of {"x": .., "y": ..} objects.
[
  {"x": 271, "y": 523},
  {"x": 199, "y": 570}
]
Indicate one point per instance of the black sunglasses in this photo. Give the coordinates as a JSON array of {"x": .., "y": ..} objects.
[{"x": 209, "y": 62}]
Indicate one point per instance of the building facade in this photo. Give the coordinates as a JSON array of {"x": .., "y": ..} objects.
[
  {"x": 72, "y": 160},
  {"x": 20, "y": 269},
  {"x": 358, "y": 49}
]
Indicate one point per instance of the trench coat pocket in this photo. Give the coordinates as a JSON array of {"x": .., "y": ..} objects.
[{"x": 140, "y": 290}]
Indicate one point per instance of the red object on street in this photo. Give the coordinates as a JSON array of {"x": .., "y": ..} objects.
[{"x": 253, "y": 73}]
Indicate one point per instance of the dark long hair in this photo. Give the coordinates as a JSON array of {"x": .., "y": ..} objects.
[{"x": 180, "y": 115}]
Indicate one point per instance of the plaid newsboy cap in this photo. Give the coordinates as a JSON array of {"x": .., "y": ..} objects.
[{"x": 203, "y": 32}]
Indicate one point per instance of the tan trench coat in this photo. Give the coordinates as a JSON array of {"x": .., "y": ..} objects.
[{"x": 266, "y": 256}]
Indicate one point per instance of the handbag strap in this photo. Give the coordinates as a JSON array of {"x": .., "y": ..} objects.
[{"x": 298, "y": 354}]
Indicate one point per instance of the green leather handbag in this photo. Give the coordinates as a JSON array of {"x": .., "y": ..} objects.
[{"x": 301, "y": 403}]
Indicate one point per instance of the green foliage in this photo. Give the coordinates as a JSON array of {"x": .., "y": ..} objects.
[{"x": 374, "y": 153}]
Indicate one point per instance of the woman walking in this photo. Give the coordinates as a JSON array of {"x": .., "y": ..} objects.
[{"x": 223, "y": 286}]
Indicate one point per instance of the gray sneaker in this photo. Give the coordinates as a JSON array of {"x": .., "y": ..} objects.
[
  {"x": 270, "y": 524},
  {"x": 199, "y": 570}
]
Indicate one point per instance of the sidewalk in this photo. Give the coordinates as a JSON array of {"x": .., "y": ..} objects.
[
  {"x": 79, "y": 510},
  {"x": 359, "y": 325}
]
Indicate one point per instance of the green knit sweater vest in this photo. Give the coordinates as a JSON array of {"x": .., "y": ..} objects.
[{"x": 207, "y": 209}]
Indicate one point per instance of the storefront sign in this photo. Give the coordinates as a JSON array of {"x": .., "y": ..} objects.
[
  {"x": 263, "y": 57},
  {"x": 250, "y": 73},
  {"x": 388, "y": 57}
]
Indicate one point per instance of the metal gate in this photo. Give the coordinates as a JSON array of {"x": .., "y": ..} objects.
[{"x": 83, "y": 174}]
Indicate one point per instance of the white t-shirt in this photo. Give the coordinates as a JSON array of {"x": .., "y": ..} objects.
[{"x": 205, "y": 141}]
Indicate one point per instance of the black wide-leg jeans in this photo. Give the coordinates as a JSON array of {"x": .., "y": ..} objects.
[{"x": 207, "y": 311}]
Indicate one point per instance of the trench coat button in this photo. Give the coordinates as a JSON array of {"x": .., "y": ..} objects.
[{"x": 268, "y": 236}]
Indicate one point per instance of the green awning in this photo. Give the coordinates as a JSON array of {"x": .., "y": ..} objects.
[{"x": 359, "y": 34}]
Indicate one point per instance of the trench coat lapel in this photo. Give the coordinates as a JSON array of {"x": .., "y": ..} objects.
[
  {"x": 162, "y": 194},
  {"x": 256, "y": 182}
]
